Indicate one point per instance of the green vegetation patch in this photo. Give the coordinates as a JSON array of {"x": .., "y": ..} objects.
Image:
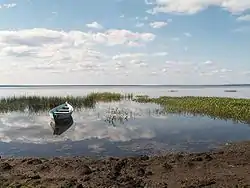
[{"x": 216, "y": 107}]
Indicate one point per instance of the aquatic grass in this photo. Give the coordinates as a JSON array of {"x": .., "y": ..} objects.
[
  {"x": 36, "y": 103},
  {"x": 237, "y": 110},
  {"x": 43, "y": 103},
  {"x": 108, "y": 96}
]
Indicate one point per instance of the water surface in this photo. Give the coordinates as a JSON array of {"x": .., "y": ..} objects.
[
  {"x": 147, "y": 130},
  {"x": 242, "y": 92}
]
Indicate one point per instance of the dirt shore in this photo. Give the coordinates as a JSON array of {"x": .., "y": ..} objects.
[{"x": 227, "y": 167}]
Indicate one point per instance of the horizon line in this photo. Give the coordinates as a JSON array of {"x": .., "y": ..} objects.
[{"x": 72, "y": 85}]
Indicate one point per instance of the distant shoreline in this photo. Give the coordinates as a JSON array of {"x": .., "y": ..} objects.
[{"x": 135, "y": 85}]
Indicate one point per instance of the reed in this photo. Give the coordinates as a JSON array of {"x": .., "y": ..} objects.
[{"x": 43, "y": 103}]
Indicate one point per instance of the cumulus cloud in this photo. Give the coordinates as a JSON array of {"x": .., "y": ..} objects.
[
  {"x": 244, "y": 18},
  {"x": 94, "y": 25},
  {"x": 195, "y": 6},
  {"x": 55, "y": 51},
  {"x": 93, "y": 58},
  {"x": 39, "y": 37},
  {"x": 158, "y": 25},
  {"x": 115, "y": 37}
]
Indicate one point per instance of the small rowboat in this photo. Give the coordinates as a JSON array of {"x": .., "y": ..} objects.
[{"x": 61, "y": 112}]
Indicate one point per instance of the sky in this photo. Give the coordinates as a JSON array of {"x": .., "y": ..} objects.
[{"x": 124, "y": 42}]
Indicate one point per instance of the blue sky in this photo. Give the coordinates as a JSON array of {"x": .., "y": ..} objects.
[{"x": 135, "y": 42}]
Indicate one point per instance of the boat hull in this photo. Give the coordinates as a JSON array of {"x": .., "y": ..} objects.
[
  {"x": 59, "y": 126},
  {"x": 59, "y": 112}
]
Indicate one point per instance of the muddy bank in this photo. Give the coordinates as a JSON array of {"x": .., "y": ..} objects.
[{"x": 227, "y": 167}]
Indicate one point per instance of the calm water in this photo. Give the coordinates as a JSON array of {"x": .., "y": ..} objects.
[
  {"x": 147, "y": 129},
  {"x": 242, "y": 92}
]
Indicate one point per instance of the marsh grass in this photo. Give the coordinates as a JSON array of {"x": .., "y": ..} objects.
[
  {"x": 41, "y": 103},
  {"x": 237, "y": 110}
]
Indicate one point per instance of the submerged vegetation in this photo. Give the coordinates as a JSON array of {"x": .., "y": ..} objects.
[{"x": 216, "y": 107}]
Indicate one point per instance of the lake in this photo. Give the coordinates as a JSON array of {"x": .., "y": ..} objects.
[
  {"x": 146, "y": 130},
  {"x": 152, "y": 91}
]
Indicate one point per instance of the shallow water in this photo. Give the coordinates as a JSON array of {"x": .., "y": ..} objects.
[{"x": 147, "y": 130}]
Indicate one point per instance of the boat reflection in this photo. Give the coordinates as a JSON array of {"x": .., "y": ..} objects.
[{"x": 59, "y": 126}]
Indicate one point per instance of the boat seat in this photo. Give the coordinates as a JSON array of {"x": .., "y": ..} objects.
[{"x": 63, "y": 110}]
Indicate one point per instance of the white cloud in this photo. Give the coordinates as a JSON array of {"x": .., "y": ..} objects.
[
  {"x": 115, "y": 37},
  {"x": 148, "y": 2},
  {"x": 160, "y": 54},
  {"x": 188, "y": 34},
  {"x": 208, "y": 62},
  {"x": 138, "y": 55},
  {"x": 94, "y": 25},
  {"x": 194, "y": 6},
  {"x": 59, "y": 51},
  {"x": 158, "y": 25},
  {"x": 10, "y": 5},
  {"x": 244, "y": 18},
  {"x": 93, "y": 58}
]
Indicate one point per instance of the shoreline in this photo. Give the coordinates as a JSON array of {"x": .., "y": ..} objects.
[{"x": 228, "y": 166}]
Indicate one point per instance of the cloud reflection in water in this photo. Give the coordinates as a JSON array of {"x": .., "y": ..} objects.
[{"x": 31, "y": 128}]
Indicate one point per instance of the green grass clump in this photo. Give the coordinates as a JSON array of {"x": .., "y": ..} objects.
[{"x": 224, "y": 108}]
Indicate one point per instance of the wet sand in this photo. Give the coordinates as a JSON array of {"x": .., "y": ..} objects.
[{"x": 226, "y": 167}]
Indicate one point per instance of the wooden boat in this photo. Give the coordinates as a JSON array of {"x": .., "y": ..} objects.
[{"x": 62, "y": 111}]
